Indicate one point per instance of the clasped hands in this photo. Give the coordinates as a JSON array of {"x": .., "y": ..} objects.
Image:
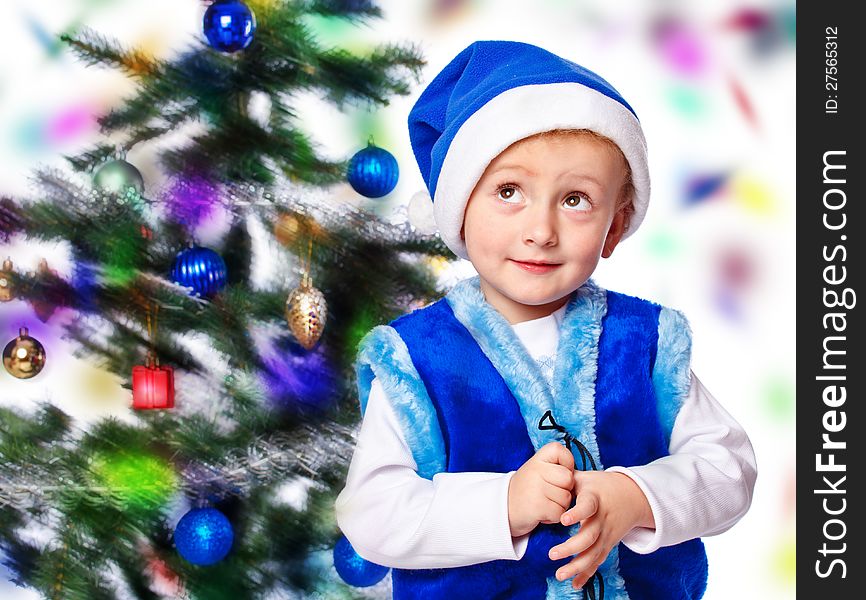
[{"x": 607, "y": 506}]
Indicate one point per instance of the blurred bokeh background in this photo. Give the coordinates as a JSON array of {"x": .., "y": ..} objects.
[{"x": 713, "y": 84}]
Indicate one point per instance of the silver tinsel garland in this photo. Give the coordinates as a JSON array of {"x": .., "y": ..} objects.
[{"x": 305, "y": 452}]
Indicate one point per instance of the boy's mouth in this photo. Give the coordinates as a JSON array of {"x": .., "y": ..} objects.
[
  {"x": 535, "y": 266},
  {"x": 536, "y": 262}
]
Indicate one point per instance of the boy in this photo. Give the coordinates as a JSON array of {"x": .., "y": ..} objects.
[{"x": 460, "y": 480}]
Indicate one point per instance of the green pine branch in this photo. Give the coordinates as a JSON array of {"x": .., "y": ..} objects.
[
  {"x": 205, "y": 86},
  {"x": 97, "y": 49}
]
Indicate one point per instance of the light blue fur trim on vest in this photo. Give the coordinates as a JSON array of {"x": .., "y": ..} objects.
[
  {"x": 383, "y": 354},
  {"x": 574, "y": 371},
  {"x": 671, "y": 377}
]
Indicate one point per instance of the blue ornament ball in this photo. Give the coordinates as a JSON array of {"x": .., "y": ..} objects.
[
  {"x": 201, "y": 269},
  {"x": 203, "y": 536},
  {"x": 373, "y": 172},
  {"x": 355, "y": 570},
  {"x": 229, "y": 25}
]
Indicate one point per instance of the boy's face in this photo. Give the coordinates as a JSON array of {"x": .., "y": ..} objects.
[{"x": 544, "y": 199}]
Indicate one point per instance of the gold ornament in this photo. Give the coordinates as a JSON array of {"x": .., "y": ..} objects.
[
  {"x": 306, "y": 311},
  {"x": 289, "y": 227},
  {"x": 6, "y": 281},
  {"x": 24, "y": 357}
]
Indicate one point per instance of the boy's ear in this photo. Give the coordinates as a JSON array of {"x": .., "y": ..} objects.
[{"x": 614, "y": 234}]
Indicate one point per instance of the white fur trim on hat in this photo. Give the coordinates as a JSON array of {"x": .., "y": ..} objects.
[{"x": 521, "y": 112}]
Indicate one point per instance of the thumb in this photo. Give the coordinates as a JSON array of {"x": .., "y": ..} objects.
[{"x": 585, "y": 503}]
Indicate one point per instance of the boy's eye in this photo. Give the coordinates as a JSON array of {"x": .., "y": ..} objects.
[
  {"x": 578, "y": 201},
  {"x": 508, "y": 193}
]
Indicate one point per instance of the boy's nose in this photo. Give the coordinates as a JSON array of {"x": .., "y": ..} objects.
[{"x": 540, "y": 226}]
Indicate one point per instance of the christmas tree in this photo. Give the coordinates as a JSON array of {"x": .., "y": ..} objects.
[{"x": 243, "y": 388}]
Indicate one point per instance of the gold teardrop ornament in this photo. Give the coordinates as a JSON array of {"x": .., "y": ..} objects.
[{"x": 306, "y": 311}]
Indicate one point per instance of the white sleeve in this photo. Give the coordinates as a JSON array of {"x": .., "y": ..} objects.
[
  {"x": 396, "y": 518},
  {"x": 705, "y": 485}
]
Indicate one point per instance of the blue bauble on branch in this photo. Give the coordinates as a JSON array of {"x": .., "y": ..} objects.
[
  {"x": 203, "y": 536},
  {"x": 373, "y": 171},
  {"x": 201, "y": 269},
  {"x": 229, "y": 25},
  {"x": 353, "y": 569}
]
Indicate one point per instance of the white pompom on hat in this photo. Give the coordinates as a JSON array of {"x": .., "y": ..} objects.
[{"x": 495, "y": 93}]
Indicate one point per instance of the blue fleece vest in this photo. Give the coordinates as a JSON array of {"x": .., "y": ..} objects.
[{"x": 470, "y": 398}]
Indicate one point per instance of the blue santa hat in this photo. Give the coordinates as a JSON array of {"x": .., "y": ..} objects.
[{"x": 495, "y": 93}]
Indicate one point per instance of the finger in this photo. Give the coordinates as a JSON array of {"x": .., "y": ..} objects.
[
  {"x": 584, "y": 507},
  {"x": 582, "y": 579},
  {"x": 575, "y": 569},
  {"x": 556, "y": 453},
  {"x": 583, "y": 566},
  {"x": 558, "y": 475},
  {"x": 561, "y": 497},
  {"x": 579, "y": 542}
]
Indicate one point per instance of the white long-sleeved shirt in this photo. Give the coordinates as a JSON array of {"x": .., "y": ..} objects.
[{"x": 396, "y": 518}]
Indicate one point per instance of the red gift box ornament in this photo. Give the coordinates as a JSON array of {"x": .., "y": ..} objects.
[{"x": 152, "y": 386}]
